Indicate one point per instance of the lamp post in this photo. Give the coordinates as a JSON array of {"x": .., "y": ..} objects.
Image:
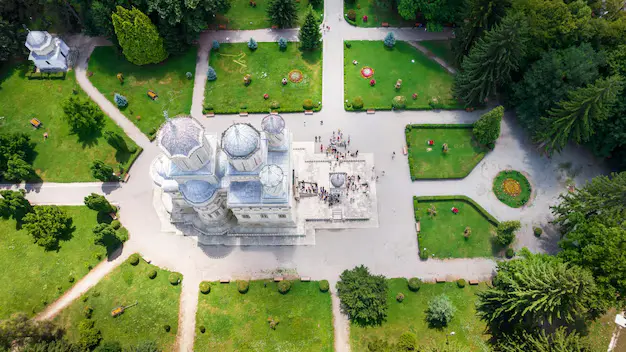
[{"x": 450, "y": 334}]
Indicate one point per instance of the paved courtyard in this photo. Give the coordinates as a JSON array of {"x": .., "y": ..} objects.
[{"x": 389, "y": 249}]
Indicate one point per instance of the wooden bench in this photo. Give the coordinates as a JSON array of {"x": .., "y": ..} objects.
[
  {"x": 418, "y": 25},
  {"x": 278, "y": 279},
  {"x": 440, "y": 280},
  {"x": 371, "y": 111},
  {"x": 243, "y": 114},
  {"x": 305, "y": 279},
  {"x": 274, "y": 26},
  {"x": 35, "y": 122},
  {"x": 473, "y": 282},
  {"x": 209, "y": 115},
  {"x": 417, "y": 227},
  {"x": 152, "y": 95},
  {"x": 221, "y": 26},
  {"x": 126, "y": 177},
  {"x": 113, "y": 216},
  {"x": 308, "y": 112},
  {"x": 404, "y": 150},
  {"x": 224, "y": 281},
  {"x": 385, "y": 24}
]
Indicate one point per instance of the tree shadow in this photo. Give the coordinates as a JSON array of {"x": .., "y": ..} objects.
[
  {"x": 111, "y": 243},
  {"x": 64, "y": 236},
  {"x": 311, "y": 57},
  {"x": 89, "y": 138}
]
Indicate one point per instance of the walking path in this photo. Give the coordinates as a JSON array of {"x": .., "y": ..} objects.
[{"x": 390, "y": 250}]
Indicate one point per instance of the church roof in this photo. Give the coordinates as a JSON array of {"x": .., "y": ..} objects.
[
  {"x": 35, "y": 39},
  {"x": 273, "y": 124},
  {"x": 240, "y": 140},
  {"x": 338, "y": 179},
  {"x": 271, "y": 175},
  {"x": 196, "y": 191},
  {"x": 180, "y": 136}
]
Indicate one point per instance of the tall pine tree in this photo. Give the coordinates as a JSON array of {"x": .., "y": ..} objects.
[
  {"x": 575, "y": 117},
  {"x": 492, "y": 60},
  {"x": 138, "y": 37},
  {"x": 283, "y": 13},
  {"x": 309, "y": 32}
]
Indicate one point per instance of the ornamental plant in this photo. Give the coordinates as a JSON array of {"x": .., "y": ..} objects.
[
  {"x": 120, "y": 100},
  {"x": 440, "y": 311},
  {"x": 211, "y": 75},
  {"x": 252, "y": 44},
  {"x": 364, "y": 18},
  {"x": 282, "y": 43},
  {"x": 266, "y": 96},
  {"x": 372, "y": 82},
  {"x": 390, "y": 40},
  {"x": 215, "y": 46}
]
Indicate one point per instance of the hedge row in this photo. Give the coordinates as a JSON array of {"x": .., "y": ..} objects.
[
  {"x": 258, "y": 111},
  {"x": 133, "y": 158},
  {"x": 417, "y": 108},
  {"x": 437, "y": 126},
  {"x": 465, "y": 199},
  {"x": 45, "y": 75}
]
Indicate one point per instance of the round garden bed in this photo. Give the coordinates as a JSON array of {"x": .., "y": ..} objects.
[
  {"x": 512, "y": 188},
  {"x": 295, "y": 76}
]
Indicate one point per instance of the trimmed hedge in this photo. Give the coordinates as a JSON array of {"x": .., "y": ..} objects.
[
  {"x": 510, "y": 253},
  {"x": 465, "y": 199},
  {"x": 284, "y": 286},
  {"x": 174, "y": 278},
  {"x": 437, "y": 126},
  {"x": 152, "y": 274},
  {"x": 243, "y": 286},
  {"x": 134, "y": 259},
  {"x": 324, "y": 285},
  {"x": 414, "y": 284},
  {"x": 461, "y": 283},
  {"x": 134, "y": 157},
  {"x": 205, "y": 287}
]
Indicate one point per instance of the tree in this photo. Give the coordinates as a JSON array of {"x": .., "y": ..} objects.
[
  {"x": 51, "y": 346},
  {"x": 559, "y": 341},
  {"x": 407, "y": 342},
  {"x": 18, "y": 170},
  {"x": 505, "y": 233},
  {"x": 19, "y": 330},
  {"x": 99, "y": 203},
  {"x": 120, "y": 100},
  {"x": 116, "y": 141},
  {"x": 48, "y": 224},
  {"x": 12, "y": 146},
  {"x": 109, "y": 346},
  {"x": 98, "y": 20},
  {"x": 436, "y": 12},
  {"x": 487, "y": 128},
  {"x": 309, "y": 34},
  {"x": 82, "y": 115},
  {"x": 89, "y": 336},
  {"x": 11, "y": 40},
  {"x": 363, "y": 295},
  {"x": 138, "y": 37},
  {"x": 575, "y": 117},
  {"x": 390, "y": 40},
  {"x": 491, "y": 61},
  {"x": 282, "y": 42},
  {"x": 105, "y": 235},
  {"x": 283, "y": 13},
  {"x": 440, "y": 311},
  {"x": 534, "y": 291},
  {"x": 252, "y": 44},
  {"x": 102, "y": 171},
  {"x": 211, "y": 75},
  {"x": 13, "y": 204},
  {"x": 146, "y": 346}
]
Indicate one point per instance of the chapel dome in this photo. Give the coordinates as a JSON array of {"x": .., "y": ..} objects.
[
  {"x": 271, "y": 175},
  {"x": 197, "y": 192},
  {"x": 35, "y": 39},
  {"x": 273, "y": 124},
  {"x": 240, "y": 140},
  {"x": 180, "y": 136},
  {"x": 337, "y": 180}
]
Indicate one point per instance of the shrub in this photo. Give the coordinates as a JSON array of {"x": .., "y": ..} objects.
[
  {"x": 120, "y": 100},
  {"x": 407, "y": 342},
  {"x": 189, "y": 75},
  {"x": 351, "y": 15},
  {"x": 357, "y": 103},
  {"x": 207, "y": 107},
  {"x": 84, "y": 298},
  {"x": 242, "y": 286},
  {"x": 88, "y": 311},
  {"x": 282, "y": 43},
  {"x": 202, "y": 329},
  {"x": 152, "y": 274},
  {"x": 510, "y": 253},
  {"x": 440, "y": 311},
  {"x": 133, "y": 259},
  {"x": 400, "y": 297},
  {"x": 284, "y": 286},
  {"x": 167, "y": 328},
  {"x": 415, "y": 284},
  {"x": 537, "y": 231},
  {"x": 398, "y": 102},
  {"x": 275, "y": 104},
  {"x": 505, "y": 233},
  {"x": 324, "y": 285},
  {"x": 252, "y": 44},
  {"x": 205, "y": 287},
  {"x": 461, "y": 283},
  {"x": 71, "y": 279},
  {"x": 215, "y": 45},
  {"x": 423, "y": 254},
  {"x": 122, "y": 234},
  {"x": 96, "y": 293},
  {"x": 89, "y": 336},
  {"x": 174, "y": 278},
  {"x": 307, "y": 104},
  {"x": 487, "y": 128},
  {"x": 115, "y": 224},
  {"x": 211, "y": 75},
  {"x": 348, "y": 45},
  {"x": 390, "y": 40},
  {"x": 363, "y": 295}
]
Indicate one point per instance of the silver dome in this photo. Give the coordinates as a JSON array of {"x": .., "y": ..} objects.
[
  {"x": 271, "y": 175},
  {"x": 35, "y": 39},
  {"x": 273, "y": 124},
  {"x": 337, "y": 180},
  {"x": 180, "y": 136},
  {"x": 197, "y": 192},
  {"x": 240, "y": 140}
]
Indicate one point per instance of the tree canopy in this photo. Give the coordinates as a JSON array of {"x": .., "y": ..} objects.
[
  {"x": 283, "y": 13},
  {"x": 487, "y": 129},
  {"x": 14, "y": 205},
  {"x": 82, "y": 115},
  {"x": 363, "y": 295},
  {"x": 48, "y": 224},
  {"x": 98, "y": 203},
  {"x": 309, "y": 34},
  {"x": 138, "y": 37}
]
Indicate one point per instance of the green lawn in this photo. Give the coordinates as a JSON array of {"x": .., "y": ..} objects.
[
  {"x": 62, "y": 157},
  {"x": 158, "y": 303},
  {"x": 409, "y": 316},
  {"x": 268, "y": 66},
  {"x": 34, "y": 275},
  {"x": 376, "y": 15},
  {"x": 166, "y": 79},
  {"x": 443, "y": 233},
  {"x": 431, "y": 82},
  {"x": 464, "y": 153},
  {"x": 243, "y": 16},
  {"x": 239, "y": 322},
  {"x": 599, "y": 332},
  {"x": 441, "y": 48}
]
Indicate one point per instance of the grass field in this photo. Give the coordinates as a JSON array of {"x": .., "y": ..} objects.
[
  {"x": 441, "y": 48},
  {"x": 431, "y": 82},
  {"x": 268, "y": 66},
  {"x": 62, "y": 157},
  {"x": 239, "y": 322},
  {"x": 166, "y": 79},
  {"x": 464, "y": 153},
  {"x": 158, "y": 303},
  {"x": 376, "y": 15},
  {"x": 34, "y": 275},
  {"x": 243, "y": 16},
  {"x": 409, "y": 316},
  {"x": 442, "y": 234}
]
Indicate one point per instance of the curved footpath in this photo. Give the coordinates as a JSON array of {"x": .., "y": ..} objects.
[{"x": 390, "y": 250}]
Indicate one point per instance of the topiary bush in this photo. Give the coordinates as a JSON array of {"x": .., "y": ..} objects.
[
  {"x": 357, "y": 103},
  {"x": 120, "y": 100},
  {"x": 174, "y": 278},
  {"x": 398, "y": 102},
  {"x": 537, "y": 231},
  {"x": 400, "y": 297},
  {"x": 423, "y": 254},
  {"x": 282, "y": 44},
  {"x": 324, "y": 285},
  {"x": 415, "y": 284},
  {"x": 284, "y": 286},
  {"x": 152, "y": 274},
  {"x": 505, "y": 232},
  {"x": 134, "y": 259},
  {"x": 205, "y": 287},
  {"x": 215, "y": 45},
  {"x": 390, "y": 40},
  {"x": 252, "y": 44},
  {"x": 351, "y": 15},
  {"x": 440, "y": 311},
  {"x": 487, "y": 128},
  {"x": 202, "y": 329},
  {"x": 115, "y": 224},
  {"x": 211, "y": 75},
  {"x": 242, "y": 286},
  {"x": 307, "y": 104},
  {"x": 510, "y": 253},
  {"x": 461, "y": 283}
]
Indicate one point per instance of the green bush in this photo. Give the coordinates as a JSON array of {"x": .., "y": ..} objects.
[
  {"x": 116, "y": 224},
  {"x": 71, "y": 279},
  {"x": 284, "y": 286},
  {"x": 510, "y": 253},
  {"x": 440, "y": 311},
  {"x": 514, "y": 201},
  {"x": 324, "y": 285},
  {"x": 352, "y": 15},
  {"x": 96, "y": 293},
  {"x": 205, "y": 287},
  {"x": 505, "y": 232},
  {"x": 275, "y": 104},
  {"x": 461, "y": 283},
  {"x": 89, "y": 336},
  {"x": 348, "y": 45},
  {"x": 357, "y": 103},
  {"x": 537, "y": 231},
  {"x": 407, "y": 342},
  {"x": 202, "y": 329},
  {"x": 414, "y": 284},
  {"x": 400, "y": 297},
  {"x": 415, "y": 207},
  {"x": 122, "y": 234},
  {"x": 174, "y": 278},
  {"x": 133, "y": 259},
  {"x": 167, "y": 328},
  {"x": 423, "y": 254},
  {"x": 88, "y": 312},
  {"x": 398, "y": 102},
  {"x": 487, "y": 128},
  {"x": 242, "y": 286},
  {"x": 152, "y": 274},
  {"x": 307, "y": 104}
]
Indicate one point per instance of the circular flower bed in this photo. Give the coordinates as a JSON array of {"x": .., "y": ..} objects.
[
  {"x": 367, "y": 72},
  {"x": 512, "y": 188},
  {"x": 295, "y": 76}
]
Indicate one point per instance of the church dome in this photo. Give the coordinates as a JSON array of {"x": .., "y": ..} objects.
[
  {"x": 240, "y": 140},
  {"x": 35, "y": 39},
  {"x": 337, "y": 180},
  {"x": 271, "y": 175},
  {"x": 180, "y": 136},
  {"x": 273, "y": 124},
  {"x": 197, "y": 192}
]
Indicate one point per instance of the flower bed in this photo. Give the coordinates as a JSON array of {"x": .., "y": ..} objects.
[{"x": 512, "y": 188}]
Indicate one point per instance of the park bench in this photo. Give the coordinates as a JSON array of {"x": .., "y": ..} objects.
[
  {"x": 209, "y": 115},
  {"x": 371, "y": 111},
  {"x": 305, "y": 279},
  {"x": 113, "y": 216},
  {"x": 417, "y": 227},
  {"x": 385, "y": 24},
  {"x": 126, "y": 177},
  {"x": 418, "y": 25},
  {"x": 274, "y": 26},
  {"x": 152, "y": 95},
  {"x": 35, "y": 122},
  {"x": 278, "y": 279},
  {"x": 440, "y": 280},
  {"x": 308, "y": 112},
  {"x": 404, "y": 150},
  {"x": 221, "y": 26},
  {"x": 243, "y": 114},
  {"x": 473, "y": 282},
  {"x": 224, "y": 281}
]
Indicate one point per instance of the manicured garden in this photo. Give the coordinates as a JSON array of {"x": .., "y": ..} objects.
[
  {"x": 441, "y": 49},
  {"x": 38, "y": 277},
  {"x": 267, "y": 67},
  {"x": 243, "y": 15},
  {"x": 378, "y": 74},
  {"x": 156, "y": 310},
  {"x": 167, "y": 79},
  {"x": 512, "y": 188},
  {"x": 409, "y": 316},
  {"x": 376, "y": 15},
  {"x": 454, "y": 227},
  {"x": 429, "y": 158},
  {"x": 232, "y": 321},
  {"x": 63, "y": 156}
]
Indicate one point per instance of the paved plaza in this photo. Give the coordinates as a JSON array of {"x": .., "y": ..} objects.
[{"x": 390, "y": 248}]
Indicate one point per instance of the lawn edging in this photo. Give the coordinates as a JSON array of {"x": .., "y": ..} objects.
[
  {"x": 492, "y": 219},
  {"x": 132, "y": 160},
  {"x": 438, "y": 125}
]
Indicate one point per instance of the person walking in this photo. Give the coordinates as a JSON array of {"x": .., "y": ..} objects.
[{"x": 393, "y": 156}]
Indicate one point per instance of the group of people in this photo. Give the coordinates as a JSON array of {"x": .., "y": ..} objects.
[
  {"x": 327, "y": 197},
  {"x": 308, "y": 187}
]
